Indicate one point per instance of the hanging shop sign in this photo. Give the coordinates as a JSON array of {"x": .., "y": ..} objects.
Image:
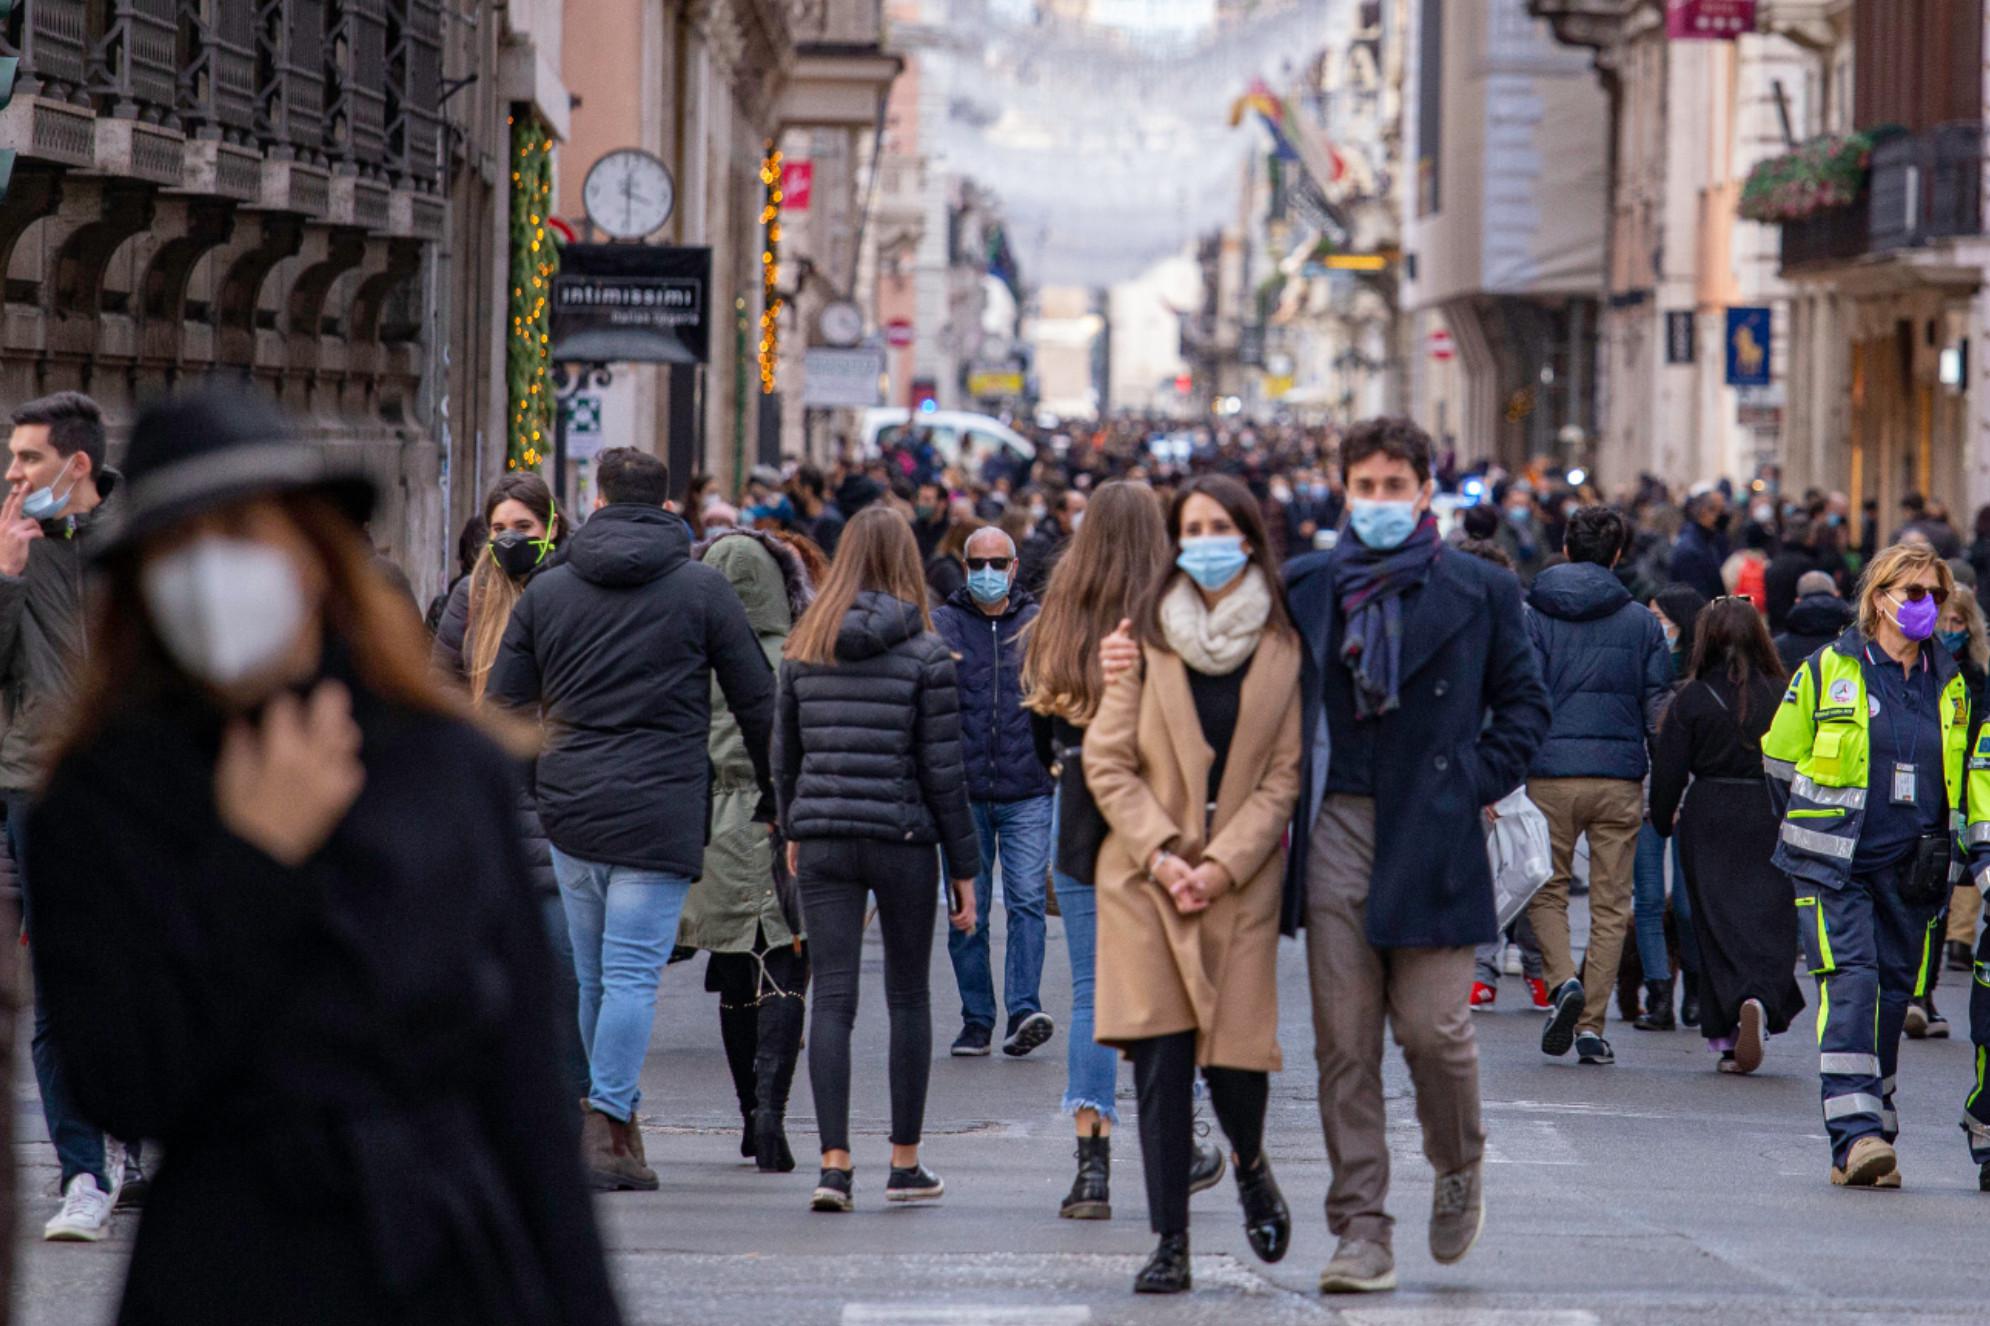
[
  {"x": 1680, "y": 337},
  {"x": 1709, "y": 20},
  {"x": 797, "y": 185},
  {"x": 835, "y": 378},
  {"x": 632, "y": 303},
  {"x": 994, "y": 384},
  {"x": 1748, "y": 331}
]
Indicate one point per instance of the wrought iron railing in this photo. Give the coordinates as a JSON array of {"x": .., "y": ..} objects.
[
  {"x": 356, "y": 85},
  {"x": 218, "y": 68},
  {"x": 414, "y": 91}
]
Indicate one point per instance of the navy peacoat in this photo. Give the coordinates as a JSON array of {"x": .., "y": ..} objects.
[{"x": 1473, "y": 713}]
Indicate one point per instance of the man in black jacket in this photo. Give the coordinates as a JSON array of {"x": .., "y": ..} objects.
[
  {"x": 1819, "y": 617},
  {"x": 618, "y": 647},
  {"x": 1009, "y": 793}
]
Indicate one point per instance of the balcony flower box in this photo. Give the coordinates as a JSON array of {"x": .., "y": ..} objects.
[{"x": 1825, "y": 173}]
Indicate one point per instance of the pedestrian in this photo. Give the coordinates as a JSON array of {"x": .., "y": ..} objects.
[
  {"x": 1865, "y": 759},
  {"x": 871, "y": 780},
  {"x": 1608, "y": 672},
  {"x": 617, "y": 648},
  {"x": 1742, "y": 914},
  {"x": 1054, "y": 530},
  {"x": 1678, "y": 609},
  {"x": 932, "y": 516},
  {"x": 1819, "y": 616},
  {"x": 815, "y": 515},
  {"x": 1702, "y": 548},
  {"x": 1193, "y": 759},
  {"x": 1009, "y": 795},
  {"x": 1120, "y": 550},
  {"x": 287, "y": 929},
  {"x": 472, "y": 541},
  {"x": 57, "y": 494},
  {"x": 1961, "y": 633},
  {"x": 1794, "y": 559},
  {"x": 759, "y": 963},
  {"x": 524, "y": 535},
  {"x": 946, "y": 569},
  {"x": 1521, "y": 534},
  {"x": 1416, "y": 658}
]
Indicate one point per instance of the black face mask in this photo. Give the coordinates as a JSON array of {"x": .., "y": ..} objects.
[{"x": 517, "y": 555}]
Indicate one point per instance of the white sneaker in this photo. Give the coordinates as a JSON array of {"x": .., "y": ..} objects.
[
  {"x": 1510, "y": 959},
  {"x": 85, "y": 1216}
]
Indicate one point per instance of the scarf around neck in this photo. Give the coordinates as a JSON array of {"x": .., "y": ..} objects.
[
  {"x": 1216, "y": 641},
  {"x": 1370, "y": 585}
]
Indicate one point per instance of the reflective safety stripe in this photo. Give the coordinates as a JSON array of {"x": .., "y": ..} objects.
[
  {"x": 1927, "y": 954},
  {"x": 1889, "y": 1122},
  {"x": 1851, "y": 1065},
  {"x": 1886, "y": 1087},
  {"x": 1978, "y": 1132},
  {"x": 1839, "y": 1107},
  {"x": 1821, "y": 844},
  {"x": 1976, "y": 835},
  {"x": 1977, "y": 1094},
  {"x": 1823, "y": 1007},
  {"x": 1847, "y": 798},
  {"x": 1983, "y": 881},
  {"x": 1783, "y": 769}
]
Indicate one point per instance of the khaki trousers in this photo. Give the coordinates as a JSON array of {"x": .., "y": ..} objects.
[
  {"x": 1423, "y": 994},
  {"x": 1965, "y": 905},
  {"x": 1610, "y": 811}
]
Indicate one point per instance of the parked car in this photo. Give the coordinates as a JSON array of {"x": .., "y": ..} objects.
[{"x": 948, "y": 428}]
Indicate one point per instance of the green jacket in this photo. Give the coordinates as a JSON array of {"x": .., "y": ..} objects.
[
  {"x": 42, "y": 645},
  {"x": 734, "y": 903}
]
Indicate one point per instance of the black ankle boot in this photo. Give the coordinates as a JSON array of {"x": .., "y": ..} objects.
[
  {"x": 1689, "y": 1002},
  {"x": 1658, "y": 1008},
  {"x": 1267, "y": 1221},
  {"x": 774, "y": 1073},
  {"x": 1090, "y": 1197},
  {"x": 739, "y": 1029},
  {"x": 1166, "y": 1272}
]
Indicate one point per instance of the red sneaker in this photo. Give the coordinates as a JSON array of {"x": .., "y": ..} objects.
[
  {"x": 1538, "y": 990},
  {"x": 1483, "y": 995}
]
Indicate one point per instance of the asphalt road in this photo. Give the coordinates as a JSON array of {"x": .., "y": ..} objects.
[{"x": 1655, "y": 1191}]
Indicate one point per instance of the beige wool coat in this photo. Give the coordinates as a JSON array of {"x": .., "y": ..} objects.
[{"x": 1213, "y": 972}]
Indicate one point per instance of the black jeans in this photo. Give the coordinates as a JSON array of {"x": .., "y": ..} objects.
[
  {"x": 1164, "y": 1077},
  {"x": 836, "y": 877}
]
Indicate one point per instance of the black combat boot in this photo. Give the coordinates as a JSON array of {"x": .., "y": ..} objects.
[
  {"x": 1090, "y": 1197},
  {"x": 1658, "y": 1008}
]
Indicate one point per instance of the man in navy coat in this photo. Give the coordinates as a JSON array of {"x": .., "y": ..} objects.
[{"x": 1423, "y": 704}]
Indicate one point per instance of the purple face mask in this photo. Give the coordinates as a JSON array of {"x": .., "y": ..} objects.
[{"x": 1916, "y": 617}]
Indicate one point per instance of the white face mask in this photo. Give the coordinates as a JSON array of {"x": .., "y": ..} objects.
[{"x": 226, "y": 609}]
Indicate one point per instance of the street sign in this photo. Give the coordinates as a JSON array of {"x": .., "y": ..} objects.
[
  {"x": 898, "y": 333},
  {"x": 1748, "y": 331},
  {"x": 1442, "y": 348},
  {"x": 1680, "y": 335},
  {"x": 836, "y": 378},
  {"x": 995, "y": 383},
  {"x": 584, "y": 431},
  {"x": 1709, "y": 20},
  {"x": 632, "y": 303},
  {"x": 797, "y": 184}
]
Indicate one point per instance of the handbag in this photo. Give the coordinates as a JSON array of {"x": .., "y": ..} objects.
[
  {"x": 1081, "y": 829},
  {"x": 1926, "y": 883},
  {"x": 1521, "y": 854}
]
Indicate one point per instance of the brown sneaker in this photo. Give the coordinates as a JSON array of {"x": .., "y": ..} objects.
[
  {"x": 613, "y": 1161},
  {"x": 1748, "y": 1037},
  {"x": 1359, "y": 1267},
  {"x": 1457, "y": 1214},
  {"x": 1867, "y": 1165}
]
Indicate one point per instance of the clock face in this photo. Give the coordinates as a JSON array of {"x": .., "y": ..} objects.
[
  {"x": 842, "y": 323},
  {"x": 629, "y": 194}
]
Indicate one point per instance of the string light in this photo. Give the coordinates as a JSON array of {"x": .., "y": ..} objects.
[
  {"x": 534, "y": 261},
  {"x": 771, "y": 302}
]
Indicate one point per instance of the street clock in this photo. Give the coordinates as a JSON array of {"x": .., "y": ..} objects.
[
  {"x": 629, "y": 194},
  {"x": 841, "y": 323}
]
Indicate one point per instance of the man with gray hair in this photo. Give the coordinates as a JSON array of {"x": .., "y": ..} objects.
[
  {"x": 1818, "y": 617},
  {"x": 1009, "y": 792}
]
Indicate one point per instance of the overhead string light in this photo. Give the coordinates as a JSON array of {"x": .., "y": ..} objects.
[
  {"x": 771, "y": 302},
  {"x": 534, "y": 261}
]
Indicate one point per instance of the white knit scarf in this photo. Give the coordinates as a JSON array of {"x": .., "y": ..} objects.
[{"x": 1216, "y": 641}]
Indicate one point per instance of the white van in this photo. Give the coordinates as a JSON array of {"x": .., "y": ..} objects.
[{"x": 947, "y": 428}]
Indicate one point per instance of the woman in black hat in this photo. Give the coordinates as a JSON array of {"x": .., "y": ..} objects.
[{"x": 288, "y": 928}]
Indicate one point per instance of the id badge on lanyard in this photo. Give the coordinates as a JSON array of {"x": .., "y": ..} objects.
[{"x": 1903, "y": 784}]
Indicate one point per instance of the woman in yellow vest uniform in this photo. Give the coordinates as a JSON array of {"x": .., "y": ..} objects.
[{"x": 1865, "y": 761}]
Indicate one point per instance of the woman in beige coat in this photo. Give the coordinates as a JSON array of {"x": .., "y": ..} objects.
[{"x": 1194, "y": 762}]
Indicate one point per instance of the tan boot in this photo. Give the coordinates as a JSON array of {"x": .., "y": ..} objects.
[
  {"x": 1867, "y": 1165},
  {"x": 611, "y": 1160}
]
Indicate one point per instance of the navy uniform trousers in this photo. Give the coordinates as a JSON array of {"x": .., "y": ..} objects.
[{"x": 1976, "y": 1109}]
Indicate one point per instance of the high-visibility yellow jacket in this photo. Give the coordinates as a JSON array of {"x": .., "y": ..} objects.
[{"x": 1818, "y": 753}]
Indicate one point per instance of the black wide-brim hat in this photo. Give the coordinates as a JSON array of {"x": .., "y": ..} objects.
[{"x": 206, "y": 449}]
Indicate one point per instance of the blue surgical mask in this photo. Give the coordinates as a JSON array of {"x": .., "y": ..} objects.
[
  {"x": 1214, "y": 561},
  {"x": 43, "y": 504},
  {"x": 988, "y": 585},
  {"x": 1518, "y": 514},
  {"x": 1953, "y": 641},
  {"x": 1382, "y": 525}
]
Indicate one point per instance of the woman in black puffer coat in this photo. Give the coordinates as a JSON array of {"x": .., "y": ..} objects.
[
  {"x": 526, "y": 536},
  {"x": 869, "y": 777}
]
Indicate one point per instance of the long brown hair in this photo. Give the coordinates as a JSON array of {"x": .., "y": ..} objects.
[
  {"x": 1731, "y": 639},
  {"x": 1120, "y": 549},
  {"x": 129, "y": 669},
  {"x": 493, "y": 594},
  {"x": 1244, "y": 512},
  {"x": 877, "y": 552}
]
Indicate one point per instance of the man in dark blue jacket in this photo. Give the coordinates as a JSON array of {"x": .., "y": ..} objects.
[
  {"x": 1608, "y": 671},
  {"x": 1702, "y": 550},
  {"x": 1009, "y": 792}
]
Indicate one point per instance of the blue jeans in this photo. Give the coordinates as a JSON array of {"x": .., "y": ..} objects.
[
  {"x": 1648, "y": 907},
  {"x": 1019, "y": 832},
  {"x": 623, "y": 923},
  {"x": 79, "y": 1145},
  {"x": 1091, "y": 1071}
]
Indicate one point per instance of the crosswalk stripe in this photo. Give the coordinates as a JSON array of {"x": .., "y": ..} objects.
[{"x": 964, "y": 1314}]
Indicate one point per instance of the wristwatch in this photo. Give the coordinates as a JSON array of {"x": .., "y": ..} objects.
[{"x": 1154, "y": 862}]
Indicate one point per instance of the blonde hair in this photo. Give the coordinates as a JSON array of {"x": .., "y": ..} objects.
[
  {"x": 877, "y": 552},
  {"x": 1886, "y": 569},
  {"x": 1965, "y": 605}
]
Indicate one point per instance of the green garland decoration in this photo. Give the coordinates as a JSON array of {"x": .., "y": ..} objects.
[{"x": 534, "y": 260}]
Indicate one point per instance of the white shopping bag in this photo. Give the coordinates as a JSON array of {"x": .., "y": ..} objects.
[{"x": 1521, "y": 857}]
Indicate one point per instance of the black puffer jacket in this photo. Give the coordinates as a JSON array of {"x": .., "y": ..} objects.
[
  {"x": 619, "y": 646},
  {"x": 1815, "y": 621},
  {"x": 869, "y": 746}
]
